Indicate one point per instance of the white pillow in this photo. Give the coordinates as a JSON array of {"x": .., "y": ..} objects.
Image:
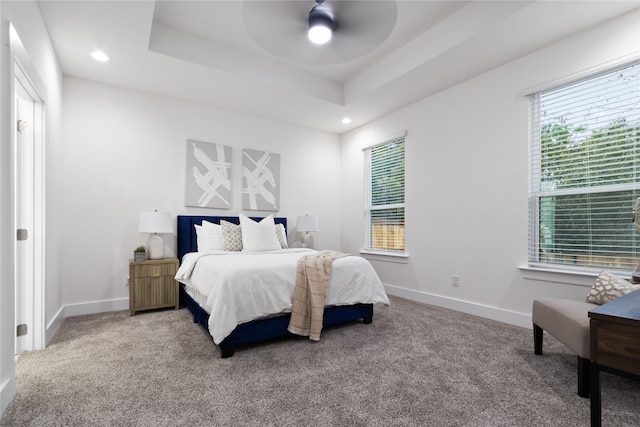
[
  {"x": 209, "y": 237},
  {"x": 258, "y": 236}
]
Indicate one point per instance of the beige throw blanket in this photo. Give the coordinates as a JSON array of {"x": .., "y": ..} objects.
[{"x": 312, "y": 280}]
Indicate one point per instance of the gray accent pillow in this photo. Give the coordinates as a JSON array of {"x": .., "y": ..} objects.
[
  {"x": 609, "y": 287},
  {"x": 282, "y": 236},
  {"x": 232, "y": 236}
]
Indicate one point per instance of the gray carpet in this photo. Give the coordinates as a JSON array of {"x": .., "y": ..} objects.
[{"x": 416, "y": 365}]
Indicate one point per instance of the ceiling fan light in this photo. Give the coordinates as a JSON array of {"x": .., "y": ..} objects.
[
  {"x": 319, "y": 34},
  {"x": 321, "y": 24}
]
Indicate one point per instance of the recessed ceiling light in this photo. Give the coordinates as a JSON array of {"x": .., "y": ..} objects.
[
  {"x": 99, "y": 55},
  {"x": 346, "y": 120}
]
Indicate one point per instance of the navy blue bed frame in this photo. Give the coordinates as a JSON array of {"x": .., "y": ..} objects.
[{"x": 261, "y": 329}]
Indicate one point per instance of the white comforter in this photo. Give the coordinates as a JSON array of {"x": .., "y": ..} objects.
[{"x": 243, "y": 286}]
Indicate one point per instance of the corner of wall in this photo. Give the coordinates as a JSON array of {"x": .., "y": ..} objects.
[
  {"x": 7, "y": 332},
  {"x": 53, "y": 326},
  {"x": 70, "y": 310}
]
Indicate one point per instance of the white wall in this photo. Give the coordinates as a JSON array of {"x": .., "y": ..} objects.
[
  {"x": 125, "y": 152},
  {"x": 40, "y": 59},
  {"x": 466, "y": 180}
]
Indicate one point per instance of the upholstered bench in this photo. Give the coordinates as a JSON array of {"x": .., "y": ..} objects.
[{"x": 568, "y": 321}]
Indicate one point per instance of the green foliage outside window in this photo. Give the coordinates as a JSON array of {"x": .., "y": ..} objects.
[
  {"x": 387, "y": 174},
  {"x": 589, "y": 222}
]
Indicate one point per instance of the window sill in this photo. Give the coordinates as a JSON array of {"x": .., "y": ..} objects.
[
  {"x": 401, "y": 258},
  {"x": 574, "y": 276}
]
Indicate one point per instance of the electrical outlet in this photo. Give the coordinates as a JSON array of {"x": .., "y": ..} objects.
[
  {"x": 455, "y": 280},
  {"x": 126, "y": 280}
]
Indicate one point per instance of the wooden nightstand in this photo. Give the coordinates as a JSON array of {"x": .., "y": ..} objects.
[{"x": 152, "y": 284}]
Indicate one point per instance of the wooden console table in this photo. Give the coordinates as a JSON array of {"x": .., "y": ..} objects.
[{"x": 615, "y": 344}]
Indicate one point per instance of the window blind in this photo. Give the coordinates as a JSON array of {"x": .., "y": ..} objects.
[
  {"x": 384, "y": 196},
  {"x": 584, "y": 171}
]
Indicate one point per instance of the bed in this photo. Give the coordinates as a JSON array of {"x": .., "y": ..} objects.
[{"x": 219, "y": 319}]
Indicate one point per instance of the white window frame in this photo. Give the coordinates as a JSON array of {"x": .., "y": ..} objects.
[
  {"x": 368, "y": 251},
  {"x": 536, "y": 192}
]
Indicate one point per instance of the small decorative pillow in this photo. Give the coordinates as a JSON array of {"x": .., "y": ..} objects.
[
  {"x": 209, "y": 237},
  {"x": 282, "y": 236},
  {"x": 232, "y": 235},
  {"x": 258, "y": 236},
  {"x": 609, "y": 287}
]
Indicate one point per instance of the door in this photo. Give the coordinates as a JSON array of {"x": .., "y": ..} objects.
[{"x": 24, "y": 216}]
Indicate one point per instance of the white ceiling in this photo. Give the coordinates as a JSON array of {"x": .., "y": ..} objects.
[{"x": 252, "y": 56}]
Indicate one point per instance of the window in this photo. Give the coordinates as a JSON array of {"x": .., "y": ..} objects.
[
  {"x": 584, "y": 172},
  {"x": 384, "y": 196}
]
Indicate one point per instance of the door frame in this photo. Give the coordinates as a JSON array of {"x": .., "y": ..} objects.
[{"x": 23, "y": 71}]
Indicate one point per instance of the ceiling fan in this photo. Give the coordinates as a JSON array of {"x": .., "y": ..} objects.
[
  {"x": 357, "y": 27},
  {"x": 321, "y": 23}
]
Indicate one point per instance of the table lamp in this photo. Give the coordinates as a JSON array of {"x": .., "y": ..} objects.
[
  {"x": 306, "y": 224},
  {"x": 155, "y": 222}
]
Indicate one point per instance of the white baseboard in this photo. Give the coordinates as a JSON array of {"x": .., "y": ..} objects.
[
  {"x": 53, "y": 326},
  {"x": 96, "y": 307},
  {"x": 80, "y": 309},
  {"x": 493, "y": 313},
  {"x": 7, "y": 392}
]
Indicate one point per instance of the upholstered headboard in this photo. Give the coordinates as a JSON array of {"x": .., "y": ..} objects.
[{"x": 187, "y": 240}]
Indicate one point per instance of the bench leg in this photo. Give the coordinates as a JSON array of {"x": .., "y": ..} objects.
[
  {"x": 537, "y": 339},
  {"x": 584, "y": 366}
]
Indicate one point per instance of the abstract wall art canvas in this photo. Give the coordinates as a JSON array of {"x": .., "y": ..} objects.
[
  {"x": 208, "y": 177},
  {"x": 260, "y": 180}
]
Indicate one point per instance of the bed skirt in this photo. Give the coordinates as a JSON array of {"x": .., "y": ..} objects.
[{"x": 272, "y": 327}]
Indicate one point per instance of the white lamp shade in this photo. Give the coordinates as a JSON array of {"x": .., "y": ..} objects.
[
  {"x": 307, "y": 223},
  {"x": 155, "y": 222}
]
